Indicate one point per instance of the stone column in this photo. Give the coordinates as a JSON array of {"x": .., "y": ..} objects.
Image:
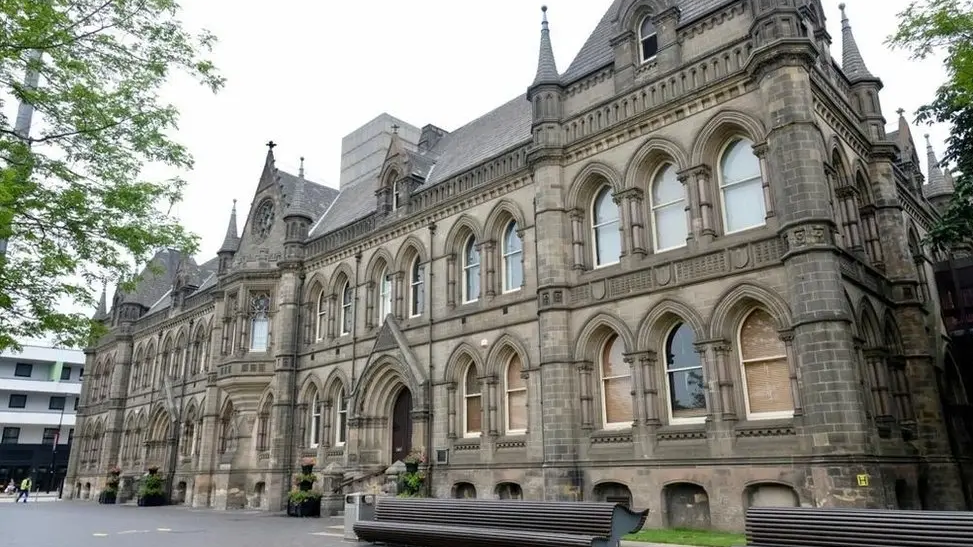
[
  {"x": 371, "y": 295},
  {"x": 586, "y": 398},
  {"x": 788, "y": 339},
  {"x": 701, "y": 214},
  {"x": 624, "y": 221},
  {"x": 577, "y": 238},
  {"x": 488, "y": 257},
  {"x": 451, "y": 410},
  {"x": 634, "y": 236},
  {"x": 451, "y": 280},
  {"x": 490, "y": 400},
  {"x": 770, "y": 202}
]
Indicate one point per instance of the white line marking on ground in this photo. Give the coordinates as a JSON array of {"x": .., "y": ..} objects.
[
  {"x": 339, "y": 527},
  {"x": 163, "y": 529},
  {"x": 100, "y": 535},
  {"x": 329, "y": 534}
]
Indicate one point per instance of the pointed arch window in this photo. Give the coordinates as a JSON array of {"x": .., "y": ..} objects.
[
  {"x": 263, "y": 425},
  {"x": 648, "y": 40},
  {"x": 669, "y": 224},
  {"x": 321, "y": 316},
  {"x": 684, "y": 376},
  {"x": 347, "y": 311},
  {"x": 616, "y": 384},
  {"x": 384, "y": 295},
  {"x": 766, "y": 374},
  {"x": 472, "y": 403},
  {"x": 741, "y": 187},
  {"x": 314, "y": 427},
  {"x": 259, "y": 322},
  {"x": 513, "y": 259},
  {"x": 605, "y": 219},
  {"x": 417, "y": 295},
  {"x": 340, "y": 417},
  {"x": 189, "y": 435},
  {"x": 516, "y": 400},
  {"x": 471, "y": 271}
]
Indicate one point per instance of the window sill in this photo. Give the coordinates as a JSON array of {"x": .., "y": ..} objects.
[
  {"x": 754, "y": 427},
  {"x": 682, "y": 432},
  {"x": 619, "y": 435}
]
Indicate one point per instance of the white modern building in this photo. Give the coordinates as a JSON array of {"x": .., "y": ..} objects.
[{"x": 39, "y": 391}]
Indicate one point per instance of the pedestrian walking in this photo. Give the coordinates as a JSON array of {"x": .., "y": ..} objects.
[{"x": 25, "y": 486}]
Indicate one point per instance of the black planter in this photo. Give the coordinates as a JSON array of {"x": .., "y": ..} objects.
[
  {"x": 152, "y": 500},
  {"x": 307, "y": 469},
  {"x": 107, "y": 498},
  {"x": 411, "y": 467},
  {"x": 306, "y": 508}
]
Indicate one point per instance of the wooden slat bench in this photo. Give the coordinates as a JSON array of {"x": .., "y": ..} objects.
[
  {"x": 836, "y": 527},
  {"x": 430, "y": 522}
]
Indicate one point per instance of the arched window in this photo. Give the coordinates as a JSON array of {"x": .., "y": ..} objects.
[
  {"x": 340, "y": 417},
  {"x": 684, "y": 374},
  {"x": 513, "y": 259},
  {"x": 741, "y": 187},
  {"x": 605, "y": 223},
  {"x": 314, "y": 427},
  {"x": 616, "y": 384},
  {"x": 472, "y": 405},
  {"x": 516, "y": 388},
  {"x": 417, "y": 296},
  {"x": 263, "y": 425},
  {"x": 471, "y": 270},
  {"x": 669, "y": 224},
  {"x": 384, "y": 295},
  {"x": 648, "y": 39},
  {"x": 320, "y": 316},
  {"x": 766, "y": 374},
  {"x": 136, "y": 370},
  {"x": 347, "y": 313},
  {"x": 189, "y": 435},
  {"x": 259, "y": 322}
]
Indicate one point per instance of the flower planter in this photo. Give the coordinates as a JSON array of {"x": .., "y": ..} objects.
[
  {"x": 153, "y": 500},
  {"x": 107, "y": 497},
  {"x": 412, "y": 467},
  {"x": 307, "y": 469},
  {"x": 306, "y": 508}
]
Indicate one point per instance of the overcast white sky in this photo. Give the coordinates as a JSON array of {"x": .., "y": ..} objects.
[{"x": 306, "y": 73}]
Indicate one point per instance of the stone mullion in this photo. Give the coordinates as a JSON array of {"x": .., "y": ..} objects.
[
  {"x": 721, "y": 352},
  {"x": 587, "y": 412},
  {"x": 492, "y": 399},
  {"x": 577, "y": 238},
  {"x": 401, "y": 298},
  {"x": 872, "y": 241},
  {"x": 648, "y": 362},
  {"x": 371, "y": 295},
  {"x": 900, "y": 389},
  {"x": 633, "y": 221},
  {"x": 760, "y": 150},
  {"x": 879, "y": 373},
  {"x": 451, "y": 276},
  {"x": 333, "y": 325},
  {"x": 451, "y": 410},
  {"x": 714, "y": 399},
  {"x": 788, "y": 339},
  {"x": 624, "y": 222},
  {"x": 327, "y": 424},
  {"x": 703, "y": 220},
  {"x": 487, "y": 256},
  {"x": 690, "y": 191},
  {"x": 638, "y": 389}
]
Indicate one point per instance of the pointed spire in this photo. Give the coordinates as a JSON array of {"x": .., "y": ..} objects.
[
  {"x": 102, "y": 311},
  {"x": 232, "y": 240},
  {"x": 936, "y": 183},
  {"x": 851, "y": 58},
  {"x": 546, "y": 67},
  {"x": 298, "y": 205},
  {"x": 300, "y": 170}
]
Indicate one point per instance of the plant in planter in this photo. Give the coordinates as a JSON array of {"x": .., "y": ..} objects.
[
  {"x": 152, "y": 492},
  {"x": 414, "y": 460},
  {"x": 411, "y": 484},
  {"x": 110, "y": 493},
  {"x": 303, "y": 501}
]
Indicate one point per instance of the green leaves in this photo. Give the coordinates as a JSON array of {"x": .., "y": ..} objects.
[
  {"x": 73, "y": 201},
  {"x": 947, "y": 26}
]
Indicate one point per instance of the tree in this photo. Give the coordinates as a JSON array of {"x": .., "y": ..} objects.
[
  {"x": 74, "y": 203},
  {"x": 946, "y": 26}
]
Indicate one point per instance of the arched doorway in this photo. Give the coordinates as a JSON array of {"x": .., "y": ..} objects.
[{"x": 402, "y": 425}]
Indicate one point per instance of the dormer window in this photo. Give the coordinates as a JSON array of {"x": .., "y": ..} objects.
[{"x": 648, "y": 40}]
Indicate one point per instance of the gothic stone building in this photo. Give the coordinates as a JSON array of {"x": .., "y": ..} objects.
[{"x": 684, "y": 273}]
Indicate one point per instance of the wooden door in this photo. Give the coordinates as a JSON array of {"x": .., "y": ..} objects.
[{"x": 402, "y": 426}]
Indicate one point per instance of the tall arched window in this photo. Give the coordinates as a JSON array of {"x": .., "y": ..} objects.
[
  {"x": 605, "y": 220},
  {"x": 616, "y": 384},
  {"x": 741, "y": 187},
  {"x": 321, "y": 316},
  {"x": 516, "y": 400},
  {"x": 136, "y": 370},
  {"x": 384, "y": 295},
  {"x": 472, "y": 403},
  {"x": 648, "y": 40},
  {"x": 340, "y": 417},
  {"x": 347, "y": 313},
  {"x": 684, "y": 374},
  {"x": 314, "y": 426},
  {"x": 417, "y": 296},
  {"x": 669, "y": 224},
  {"x": 471, "y": 270},
  {"x": 766, "y": 374},
  {"x": 259, "y": 322},
  {"x": 263, "y": 425},
  {"x": 513, "y": 259}
]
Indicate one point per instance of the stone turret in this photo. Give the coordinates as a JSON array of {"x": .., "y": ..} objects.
[
  {"x": 939, "y": 187},
  {"x": 231, "y": 242},
  {"x": 298, "y": 218},
  {"x": 865, "y": 87},
  {"x": 546, "y": 94}
]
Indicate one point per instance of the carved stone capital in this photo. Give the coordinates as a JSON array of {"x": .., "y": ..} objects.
[
  {"x": 576, "y": 214},
  {"x": 700, "y": 172},
  {"x": 629, "y": 194},
  {"x": 786, "y": 336},
  {"x": 845, "y": 192},
  {"x": 585, "y": 366}
]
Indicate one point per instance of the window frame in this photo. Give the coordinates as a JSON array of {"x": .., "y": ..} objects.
[
  {"x": 471, "y": 271},
  {"x": 603, "y": 351},
  {"x": 347, "y": 309},
  {"x": 417, "y": 283},
  {"x": 321, "y": 316},
  {"x": 384, "y": 296},
  {"x": 65, "y": 373},
  {"x": 778, "y": 415},
  {"x": 5, "y": 436},
  {"x": 673, "y": 419},
  {"x": 63, "y": 399},
  {"x": 29, "y": 367},
  {"x": 10, "y": 400},
  {"x": 510, "y": 259},
  {"x": 261, "y": 317},
  {"x": 507, "y": 390},
  {"x": 722, "y": 187},
  {"x": 655, "y": 208},
  {"x": 608, "y": 191},
  {"x": 314, "y": 425},
  {"x": 340, "y": 418},
  {"x": 471, "y": 369},
  {"x": 642, "y": 39}
]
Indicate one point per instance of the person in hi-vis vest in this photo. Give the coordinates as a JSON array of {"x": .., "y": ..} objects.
[{"x": 25, "y": 486}]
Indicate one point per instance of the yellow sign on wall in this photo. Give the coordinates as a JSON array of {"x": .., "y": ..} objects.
[{"x": 862, "y": 480}]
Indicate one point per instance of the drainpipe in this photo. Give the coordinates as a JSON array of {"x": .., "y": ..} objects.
[
  {"x": 354, "y": 321},
  {"x": 430, "y": 406},
  {"x": 291, "y": 438}
]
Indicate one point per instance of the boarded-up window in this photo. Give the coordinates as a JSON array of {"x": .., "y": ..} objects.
[
  {"x": 472, "y": 404},
  {"x": 765, "y": 370},
  {"x": 616, "y": 389},
  {"x": 516, "y": 397}
]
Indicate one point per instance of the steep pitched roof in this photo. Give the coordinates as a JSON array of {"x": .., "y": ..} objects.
[{"x": 597, "y": 52}]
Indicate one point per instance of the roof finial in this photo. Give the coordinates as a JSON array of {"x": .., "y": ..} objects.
[
  {"x": 271, "y": 145},
  {"x": 544, "y": 16},
  {"x": 395, "y": 129},
  {"x": 900, "y": 111},
  {"x": 300, "y": 170},
  {"x": 546, "y": 67}
]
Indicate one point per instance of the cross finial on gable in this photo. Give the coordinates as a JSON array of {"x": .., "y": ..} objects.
[
  {"x": 900, "y": 111},
  {"x": 395, "y": 128},
  {"x": 271, "y": 145}
]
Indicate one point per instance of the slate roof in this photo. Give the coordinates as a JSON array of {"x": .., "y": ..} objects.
[
  {"x": 597, "y": 52},
  {"x": 317, "y": 197}
]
